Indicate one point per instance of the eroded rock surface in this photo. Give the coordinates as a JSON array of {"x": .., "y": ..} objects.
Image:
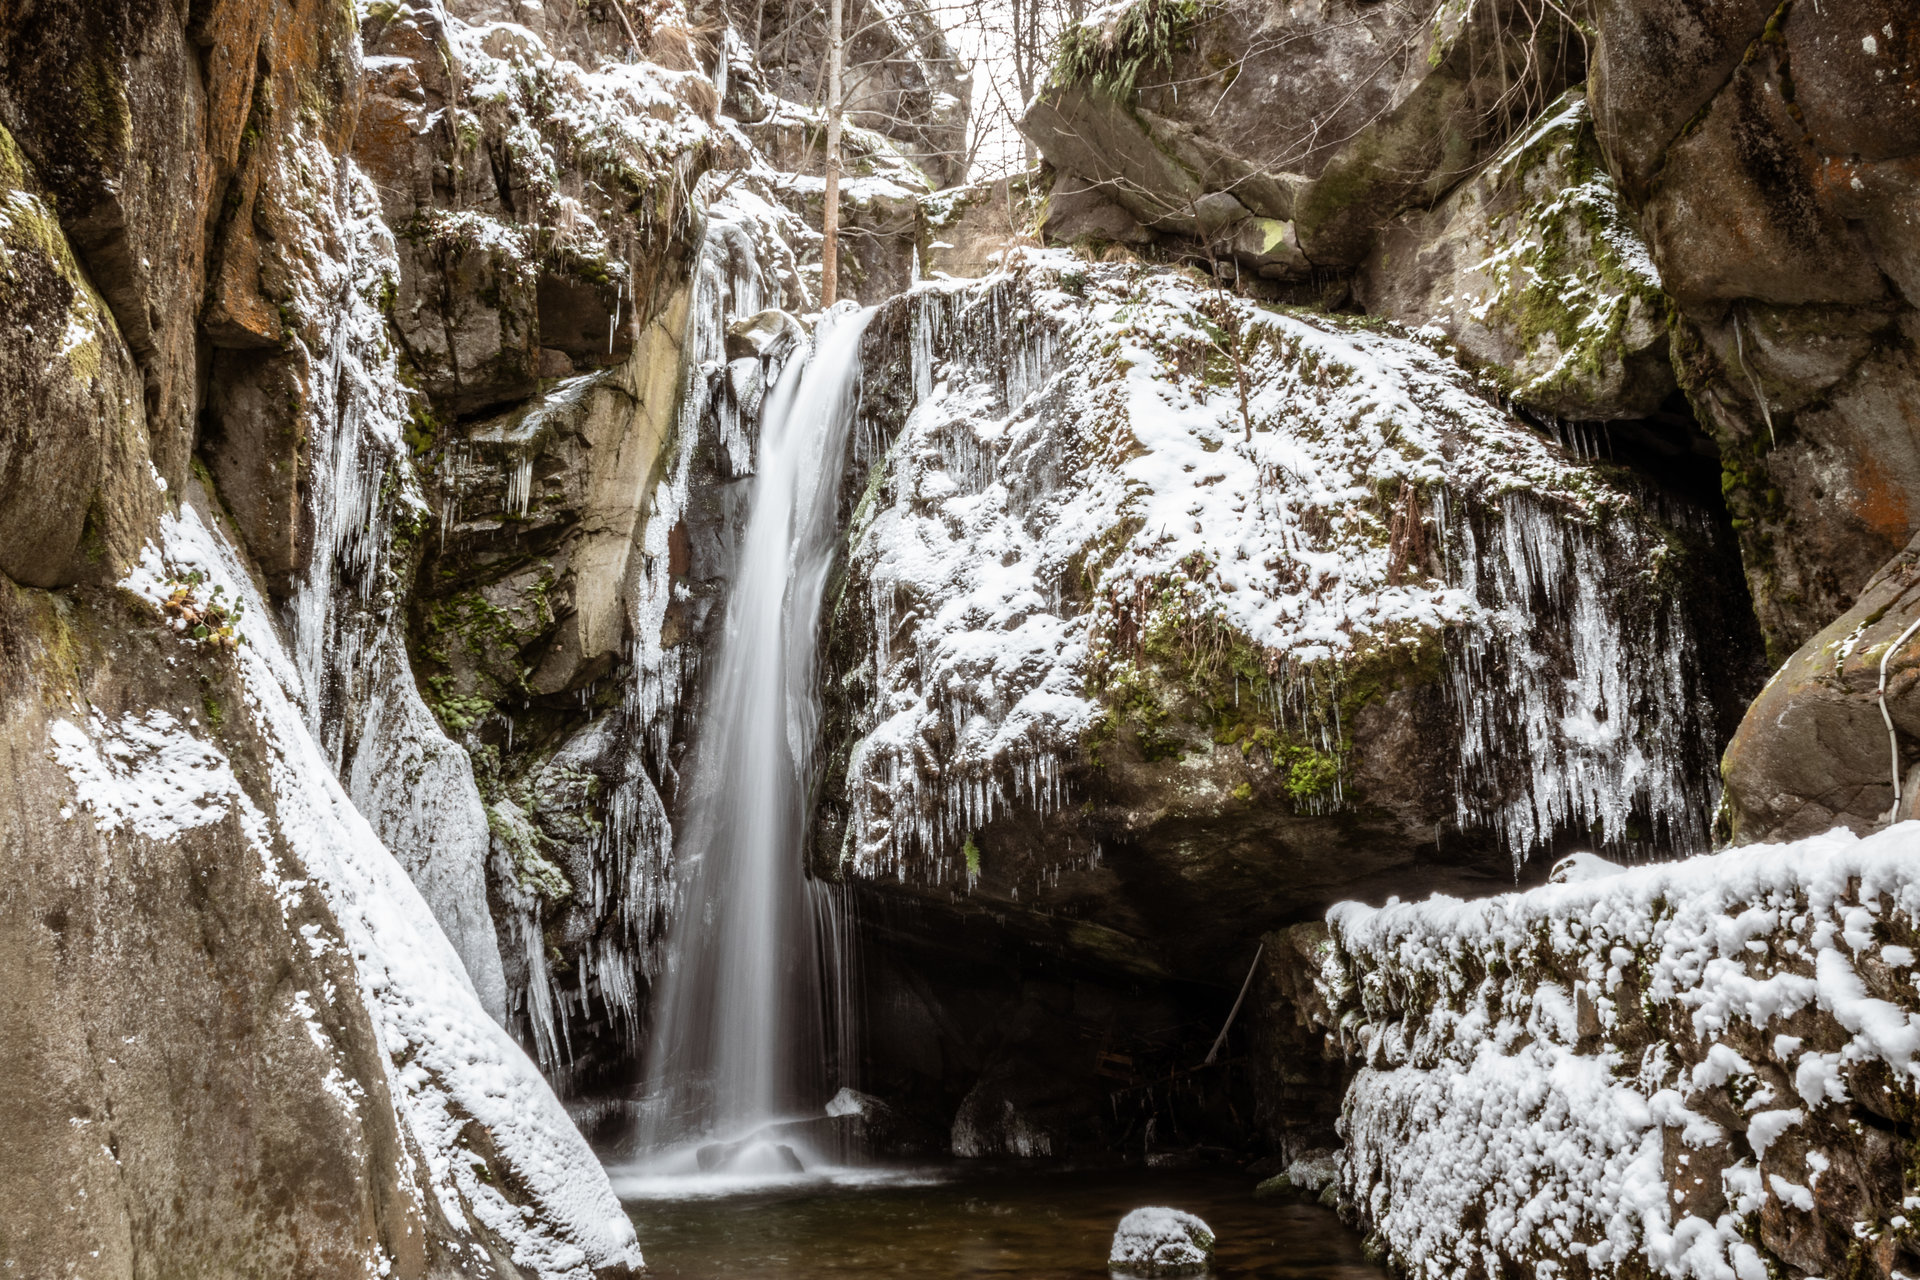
[{"x": 1815, "y": 750}]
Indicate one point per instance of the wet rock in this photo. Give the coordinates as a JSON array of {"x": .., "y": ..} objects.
[
  {"x": 997, "y": 1118},
  {"x": 1658, "y": 64},
  {"x": 524, "y": 597},
  {"x": 1161, "y": 1242},
  {"x": 1307, "y": 1176},
  {"x": 749, "y": 1156},
  {"x": 160, "y": 138},
  {"x": 161, "y": 142},
  {"x": 510, "y": 251}
]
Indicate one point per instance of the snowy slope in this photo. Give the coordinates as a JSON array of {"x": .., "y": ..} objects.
[{"x": 449, "y": 1063}]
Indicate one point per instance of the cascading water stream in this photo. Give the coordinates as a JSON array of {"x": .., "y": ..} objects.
[{"x": 740, "y": 1037}]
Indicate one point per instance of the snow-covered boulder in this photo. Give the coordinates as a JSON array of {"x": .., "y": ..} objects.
[
  {"x": 1161, "y": 1242},
  {"x": 1275, "y": 599}
]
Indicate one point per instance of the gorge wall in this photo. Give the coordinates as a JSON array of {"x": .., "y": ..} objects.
[{"x": 1383, "y": 449}]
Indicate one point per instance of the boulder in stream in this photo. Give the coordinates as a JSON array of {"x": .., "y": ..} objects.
[{"x": 1158, "y": 1241}]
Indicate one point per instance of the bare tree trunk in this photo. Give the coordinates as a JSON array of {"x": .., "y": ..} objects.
[{"x": 830, "y": 213}]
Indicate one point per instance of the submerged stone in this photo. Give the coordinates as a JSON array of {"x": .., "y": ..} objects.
[{"x": 750, "y": 1155}]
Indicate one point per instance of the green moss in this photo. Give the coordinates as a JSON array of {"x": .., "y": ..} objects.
[
  {"x": 971, "y": 852},
  {"x": 457, "y": 711},
  {"x": 525, "y": 847},
  {"x": 1172, "y": 671},
  {"x": 1561, "y": 284},
  {"x": 1144, "y": 37}
]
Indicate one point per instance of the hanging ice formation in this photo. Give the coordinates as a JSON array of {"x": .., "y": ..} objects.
[
  {"x": 1577, "y": 688},
  {"x": 1062, "y": 459},
  {"x": 738, "y": 1035},
  {"x": 994, "y": 731},
  {"x": 359, "y": 696}
]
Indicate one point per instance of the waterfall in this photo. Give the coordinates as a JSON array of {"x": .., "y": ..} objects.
[{"x": 740, "y": 1033}]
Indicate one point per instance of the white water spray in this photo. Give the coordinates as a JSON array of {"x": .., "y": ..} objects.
[{"x": 740, "y": 1035}]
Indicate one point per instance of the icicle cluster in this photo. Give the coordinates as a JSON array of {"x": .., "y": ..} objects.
[
  {"x": 357, "y": 408},
  {"x": 983, "y": 734},
  {"x": 1577, "y": 688}
]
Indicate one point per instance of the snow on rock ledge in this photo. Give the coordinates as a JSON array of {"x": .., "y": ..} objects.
[{"x": 1707, "y": 1069}]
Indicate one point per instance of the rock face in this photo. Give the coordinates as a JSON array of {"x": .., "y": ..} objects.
[
  {"x": 135, "y": 940},
  {"x": 1702, "y": 1068},
  {"x": 163, "y": 145},
  {"x": 1770, "y": 155},
  {"x": 78, "y": 499},
  {"x": 251, "y": 863},
  {"x": 903, "y": 81},
  {"x": 1289, "y": 136}
]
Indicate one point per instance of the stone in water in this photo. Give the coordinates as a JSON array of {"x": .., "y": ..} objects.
[{"x": 1161, "y": 1242}]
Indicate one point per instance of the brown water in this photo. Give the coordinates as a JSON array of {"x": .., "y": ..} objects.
[{"x": 952, "y": 1224}]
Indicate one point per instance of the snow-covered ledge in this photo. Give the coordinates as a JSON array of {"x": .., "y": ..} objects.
[{"x": 1695, "y": 1069}]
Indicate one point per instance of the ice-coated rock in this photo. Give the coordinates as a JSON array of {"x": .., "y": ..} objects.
[{"x": 1158, "y": 1241}]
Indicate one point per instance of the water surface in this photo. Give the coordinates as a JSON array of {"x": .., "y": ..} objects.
[{"x": 949, "y": 1224}]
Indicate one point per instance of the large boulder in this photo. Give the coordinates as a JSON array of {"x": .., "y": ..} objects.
[
  {"x": 1774, "y": 162},
  {"x": 1291, "y": 134},
  {"x": 1816, "y": 750},
  {"x": 1128, "y": 636}
]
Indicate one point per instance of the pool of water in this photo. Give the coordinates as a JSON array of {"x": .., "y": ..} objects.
[{"x": 942, "y": 1223}]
